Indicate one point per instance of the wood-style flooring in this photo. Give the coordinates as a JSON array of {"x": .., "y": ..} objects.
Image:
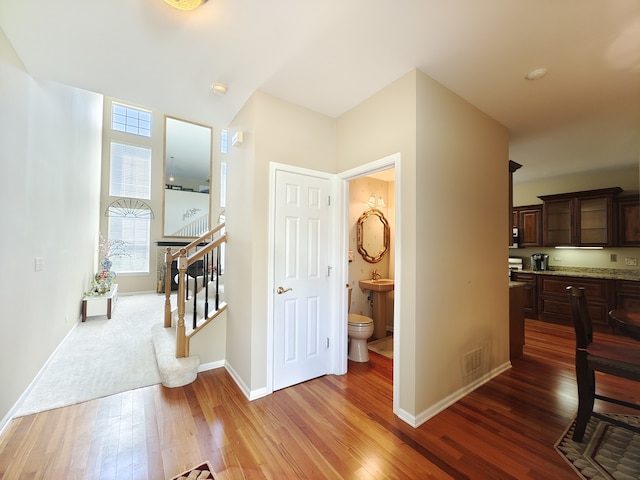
[{"x": 330, "y": 427}]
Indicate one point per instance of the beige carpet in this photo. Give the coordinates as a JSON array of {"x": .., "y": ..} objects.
[
  {"x": 607, "y": 452},
  {"x": 383, "y": 346},
  {"x": 101, "y": 357}
]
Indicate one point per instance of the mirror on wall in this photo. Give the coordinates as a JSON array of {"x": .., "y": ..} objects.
[
  {"x": 373, "y": 235},
  {"x": 187, "y": 178}
]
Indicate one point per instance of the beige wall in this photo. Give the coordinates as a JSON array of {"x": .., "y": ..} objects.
[
  {"x": 452, "y": 184},
  {"x": 275, "y": 131},
  {"x": 50, "y": 137},
  {"x": 462, "y": 204},
  {"x": 527, "y": 194}
]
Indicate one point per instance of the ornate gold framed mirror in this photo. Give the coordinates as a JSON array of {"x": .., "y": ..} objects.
[{"x": 373, "y": 235}]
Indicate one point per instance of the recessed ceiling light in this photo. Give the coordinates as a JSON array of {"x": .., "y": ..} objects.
[
  {"x": 219, "y": 88},
  {"x": 536, "y": 74}
]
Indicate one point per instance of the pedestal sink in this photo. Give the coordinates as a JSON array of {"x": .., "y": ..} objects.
[{"x": 380, "y": 289}]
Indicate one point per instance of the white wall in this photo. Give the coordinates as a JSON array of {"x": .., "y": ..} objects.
[{"x": 50, "y": 141}]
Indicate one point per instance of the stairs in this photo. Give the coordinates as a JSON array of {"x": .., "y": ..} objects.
[{"x": 174, "y": 372}]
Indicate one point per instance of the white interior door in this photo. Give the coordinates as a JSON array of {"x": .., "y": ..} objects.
[{"x": 301, "y": 278}]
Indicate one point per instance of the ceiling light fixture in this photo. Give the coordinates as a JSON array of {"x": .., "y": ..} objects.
[
  {"x": 219, "y": 88},
  {"x": 185, "y": 4},
  {"x": 536, "y": 74}
]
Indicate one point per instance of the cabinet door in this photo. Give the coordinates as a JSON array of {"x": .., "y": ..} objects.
[
  {"x": 629, "y": 221},
  {"x": 530, "y": 296},
  {"x": 594, "y": 222},
  {"x": 628, "y": 295},
  {"x": 530, "y": 227},
  {"x": 553, "y": 303},
  {"x": 558, "y": 222}
]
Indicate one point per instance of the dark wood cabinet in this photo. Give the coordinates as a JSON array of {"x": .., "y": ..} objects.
[
  {"x": 553, "y": 302},
  {"x": 530, "y": 292},
  {"x": 628, "y": 212},
  {"x": 528, "y": 219},
  {"x": 628, "y": 295},
  {"x": 583, "y": 219}
]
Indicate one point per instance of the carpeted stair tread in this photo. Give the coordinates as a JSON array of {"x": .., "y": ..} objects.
[{"x": 174, "y": 372}]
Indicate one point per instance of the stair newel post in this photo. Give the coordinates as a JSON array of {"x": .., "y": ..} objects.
[
  {"x": 181, "y": 342},
  {"x": 168, "y": 260}
]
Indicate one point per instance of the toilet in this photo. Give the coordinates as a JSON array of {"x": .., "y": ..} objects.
[{"x": 360, "y": 329}]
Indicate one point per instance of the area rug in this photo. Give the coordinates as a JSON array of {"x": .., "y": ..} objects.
[
  {"x": 608, "y": 452},
  {"x": 100, "y": 357},
  {"x": 203, "y": 470},
  {"x": 383, "y": 346}
]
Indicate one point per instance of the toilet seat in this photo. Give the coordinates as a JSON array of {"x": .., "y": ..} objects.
[{"x": 356, "y": 320}]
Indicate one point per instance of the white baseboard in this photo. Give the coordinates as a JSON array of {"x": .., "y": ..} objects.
[
  {"x": 211, "y": 366},
  {"x": 5, "y": 421},
  {"x": 417, "y": 420},
  {"x": 249, "y": 394}
]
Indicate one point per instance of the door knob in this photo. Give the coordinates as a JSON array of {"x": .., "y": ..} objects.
[{"x": 281, "y": 290}]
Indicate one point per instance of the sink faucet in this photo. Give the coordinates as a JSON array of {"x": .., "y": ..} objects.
[{"x": 375, "y": 275}]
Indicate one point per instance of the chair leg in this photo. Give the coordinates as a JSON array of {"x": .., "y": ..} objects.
[{"x": 586, "y": 395}]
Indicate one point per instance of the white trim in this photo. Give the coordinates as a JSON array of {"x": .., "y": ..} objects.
[
  {"x": 203, "y": 367},
  {"x": 16, "y": 406},
  {"x": 385, "y": 163},
  {"x": 446, "y": 402}
]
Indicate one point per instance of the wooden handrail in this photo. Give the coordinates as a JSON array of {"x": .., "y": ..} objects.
[
  {"x": 184, "y": 260},
  {"x": 169, "y": 257}
]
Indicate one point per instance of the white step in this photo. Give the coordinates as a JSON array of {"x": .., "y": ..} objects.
[{"x": 174, "y": 372}]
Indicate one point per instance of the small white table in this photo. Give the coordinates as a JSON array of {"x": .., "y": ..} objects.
[{"x": 100, "y": 304}]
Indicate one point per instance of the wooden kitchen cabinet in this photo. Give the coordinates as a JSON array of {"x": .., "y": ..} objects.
[
  {"x": 528, "y": 219},
  {"x": 553, "y": 301},
  {"x": 628, "y": 210},
  {"x": 582, "y": 219},
  {"x": 530, "y": 292},
  {"x": 628, "y": 295}
]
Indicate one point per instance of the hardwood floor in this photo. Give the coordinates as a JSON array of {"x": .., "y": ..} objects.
[{"x": 330, "y": 427}]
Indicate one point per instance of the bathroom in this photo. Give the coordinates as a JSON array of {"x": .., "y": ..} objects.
[{"x": 380, "y": 186}]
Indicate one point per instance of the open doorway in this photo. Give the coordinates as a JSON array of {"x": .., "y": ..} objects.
[{"x": 382, "y": 178}]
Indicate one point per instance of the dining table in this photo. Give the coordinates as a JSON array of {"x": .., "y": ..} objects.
[{"x": 625, "y": 322}]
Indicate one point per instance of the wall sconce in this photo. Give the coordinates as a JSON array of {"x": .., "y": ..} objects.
[
  {"x": 185, "y": 4},
  {"x": 376, "y": 201}
]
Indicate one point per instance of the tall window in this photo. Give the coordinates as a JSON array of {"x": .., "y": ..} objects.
[{"x": 130, "y": 179}]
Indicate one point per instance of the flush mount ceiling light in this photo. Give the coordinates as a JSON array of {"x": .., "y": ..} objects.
[
  {"x": 536, "y": 74},
  {"x": 185, "y": 4},
  {"x": 219, "y": 88}
]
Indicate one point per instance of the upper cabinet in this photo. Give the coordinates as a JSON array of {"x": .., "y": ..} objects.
[
  {"x": 628, "y": 221},
  {"x": 528, "y": 220},
  {"x": 581, "y": 219}
]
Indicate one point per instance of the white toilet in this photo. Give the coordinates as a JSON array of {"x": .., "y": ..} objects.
[{"x": 360, "y": 329}]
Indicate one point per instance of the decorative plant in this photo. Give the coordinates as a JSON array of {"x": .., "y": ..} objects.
[{"x": 101, "y": 282}]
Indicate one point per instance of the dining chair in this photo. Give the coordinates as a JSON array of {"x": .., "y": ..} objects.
[{"x": 598, "y": 356}]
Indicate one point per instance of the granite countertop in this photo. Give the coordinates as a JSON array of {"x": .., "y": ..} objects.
[
  {"x": 516, "y": 284},
  {"x": 587, "y": 272}
]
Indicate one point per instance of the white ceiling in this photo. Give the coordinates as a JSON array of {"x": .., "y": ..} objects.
[{"x": 330, "y": 55}]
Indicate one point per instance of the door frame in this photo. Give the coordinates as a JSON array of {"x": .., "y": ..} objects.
[
  {"x": 385, "y": 163},
  {"x": 335, "y": 330},
  {"x": 338, "y": 253}
]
